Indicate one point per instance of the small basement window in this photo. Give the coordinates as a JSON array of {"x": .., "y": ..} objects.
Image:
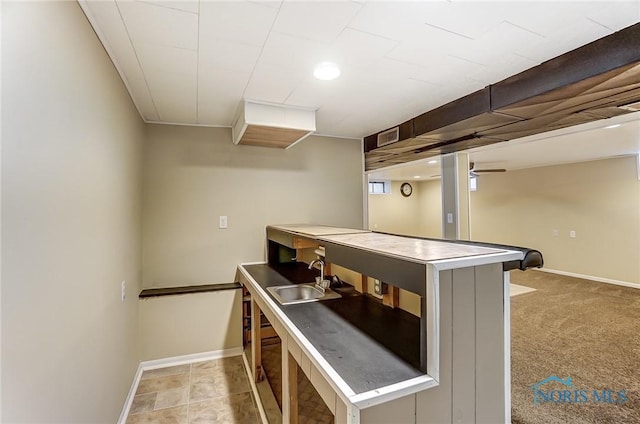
[{"x": 379, "y": 187}]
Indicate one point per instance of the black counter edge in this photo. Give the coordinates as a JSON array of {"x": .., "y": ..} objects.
[{"x": 204, "y": 288}]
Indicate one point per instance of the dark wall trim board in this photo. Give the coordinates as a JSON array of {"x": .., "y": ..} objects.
[
  {"x": 171, "y": 291},
  {"x": 590, "y": 83}
]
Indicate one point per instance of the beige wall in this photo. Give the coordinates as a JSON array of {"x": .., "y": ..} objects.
[
  {"x": 417, "y": 215},
  {"x": 71, "y": 154},
  {"x": 186, "y": 324},
  {"x": 599, "y": 200},
  {"x": 430, "y": 224},
  {"x": 193, "y": 175},
  {"x": 394, "y": 213}
]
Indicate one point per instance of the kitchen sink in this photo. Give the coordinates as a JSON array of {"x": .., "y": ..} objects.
[{"x": 300, "y": 293}]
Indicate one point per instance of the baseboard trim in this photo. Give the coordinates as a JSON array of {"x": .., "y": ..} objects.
[
  {"x": 129, "y": 400},
  {"x": 169, "y": 362},
  {"x": 590, "y": 277}
]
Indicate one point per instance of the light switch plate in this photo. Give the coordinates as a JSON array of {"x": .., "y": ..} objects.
[{"x": 223, "y": 221}]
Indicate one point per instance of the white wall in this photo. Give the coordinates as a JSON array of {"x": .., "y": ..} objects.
[
  {"x": 71, "y": 154},
  {"x": 193, "y": 175}
]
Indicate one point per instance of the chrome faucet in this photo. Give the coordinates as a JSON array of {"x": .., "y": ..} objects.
[{"x": 320, "y": 282}]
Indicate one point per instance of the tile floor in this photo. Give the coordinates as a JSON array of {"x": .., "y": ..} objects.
[{"x": 215, "y": 391}]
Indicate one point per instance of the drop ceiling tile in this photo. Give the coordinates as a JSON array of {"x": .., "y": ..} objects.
[
  {"x": 149, "y": 23},
  {"x": 320, "y": 21},
  {"x": 281, "y": 48},
  {"x": 469, "y": 19},
  {"x": 615, "y": 16},
  {"x": 113, "y": 35},
  {"x": 184, "y": 5},
  {"x": 240, "y": 21},
  {"x": 219, "y": 94},
  {"x": 392, "y": 20},
  {"x": 501, "y": 40},
  {"x": 227, "y": 54},
  {"x": 357, "y": 48},
  {"x": 272, "y": 83},
  {"x": 171, "y": 74},
  {"x": 563, "y": 40}
]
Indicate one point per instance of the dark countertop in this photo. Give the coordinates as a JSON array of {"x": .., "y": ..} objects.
[{"x": 368, "y": 344}]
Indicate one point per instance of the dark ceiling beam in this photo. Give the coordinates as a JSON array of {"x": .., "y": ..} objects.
[{"x": 583, "y": 85}]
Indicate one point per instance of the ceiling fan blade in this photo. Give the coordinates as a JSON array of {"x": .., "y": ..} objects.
[{"x": 489, "y": 170}]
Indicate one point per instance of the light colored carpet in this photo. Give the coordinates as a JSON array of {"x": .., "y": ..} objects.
[
  {"x": 575, "y": 328},
  {"x": 516, "y": 289}
]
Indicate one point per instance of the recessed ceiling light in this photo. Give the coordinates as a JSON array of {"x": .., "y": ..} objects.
[
  {"x": 416, "y": 176},
  {"x": 432, "y": 161},
  {"x": 612, "y": 126},
  {"x": 326, "y": 71}
]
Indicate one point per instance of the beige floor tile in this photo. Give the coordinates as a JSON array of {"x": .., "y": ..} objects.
[
  {"x": 214, "y": 384},
  {"x": 171, "y": 398},
  {"x": 237, "y": 409},
  {"x": 158, "y": 384},
  {"x": 223, "y": 364},
  {"x": 177, "y": 415},
  {"x": 163, "y": 372},
  {"x": 143, "y": 403}
]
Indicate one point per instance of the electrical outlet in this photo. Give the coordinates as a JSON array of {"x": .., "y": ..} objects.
[
  {"x": 572, "y": 234},
  {"x": 123, "y": 290},
  {"x": 223, "y": 221},
  {"x": 449, "y": 218},
  {"x": 554, "y": 232}
]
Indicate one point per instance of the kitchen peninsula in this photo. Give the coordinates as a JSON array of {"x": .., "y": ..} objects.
[{"x": 449, "y": 363}]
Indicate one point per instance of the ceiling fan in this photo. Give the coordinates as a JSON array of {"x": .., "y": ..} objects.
[{"x": 475, "y": 172}]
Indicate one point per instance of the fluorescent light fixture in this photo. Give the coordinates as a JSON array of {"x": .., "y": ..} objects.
[
  {"x": 431, "y": 162},
  {"x": 612, "y": 126},
  {"x": 326, "y": 71},
  {"x": 416, "y": 176}
]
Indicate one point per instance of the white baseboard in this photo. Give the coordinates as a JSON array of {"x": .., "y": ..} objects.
[
  {"x": 169, "y": 362},
  {"x": 590, "y": 277}
]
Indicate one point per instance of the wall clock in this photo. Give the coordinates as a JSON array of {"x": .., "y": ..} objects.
[{"x": 406, "y": 189}]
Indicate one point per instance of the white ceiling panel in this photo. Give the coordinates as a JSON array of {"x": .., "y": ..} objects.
[
  {"x": 240, "y": 21},
  {"x": 357, "y": 48},
  {"x": 106, "y": 16},
  {"x": 280, "y": 49},
  {"x": 272, "y": 84},
  {"x": 192, "y": 6},
  {"x": 171, "y": 74},
  {"x": 469, "y": 19},
  {"x": 229, "y": 55},
  {"x": 218, "y": 92},
  {"x": 195, "y": 61},
  {"x": 152, "y": 24},
  {"x": 562, "y": 40},
  {"x": 316, "y": 20},
  {"x": 620, "y": 15}
]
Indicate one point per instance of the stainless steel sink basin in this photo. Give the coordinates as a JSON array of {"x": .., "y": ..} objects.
[{"x": 300, "y": 293}]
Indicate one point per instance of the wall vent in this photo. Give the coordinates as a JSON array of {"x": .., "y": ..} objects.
[{"x": 388, "y": 136}]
